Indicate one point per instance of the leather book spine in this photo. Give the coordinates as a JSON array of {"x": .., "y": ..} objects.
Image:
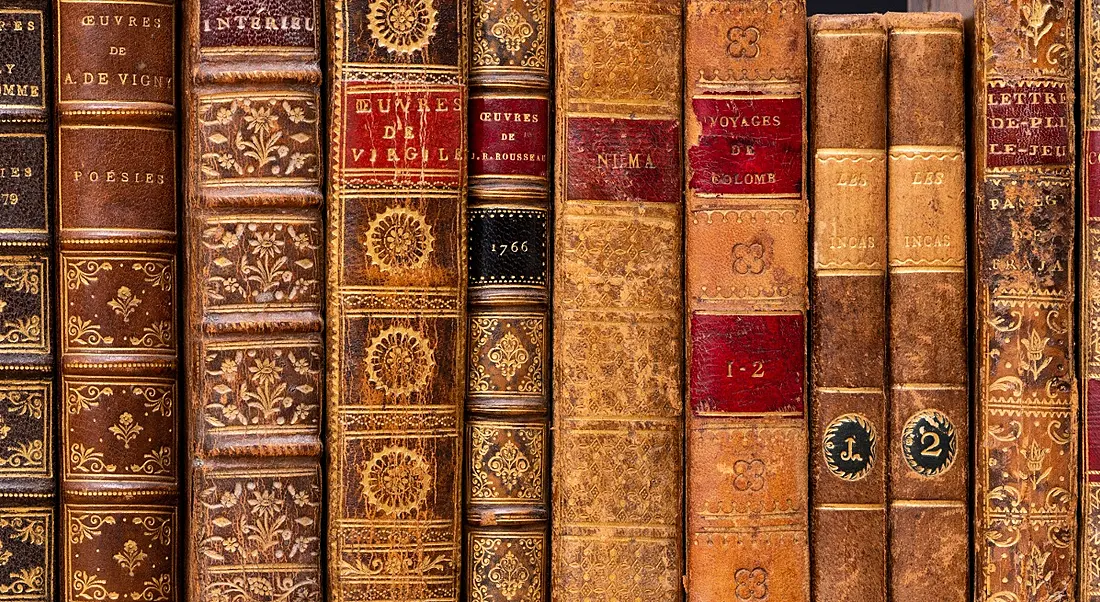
[
  {"x": 617, "y": 466},
  {"x": 28, "y": 485},
  {"x": 253, "y": 345},
  {"x": 396, "y": 298},
  {"x": 117, "y": 243},
  {"x": 507, "y": 488},
  {"x": 746, "y": 235},
  {"x": 928, "y": 451},
  {"x": 848, "y": 329},
  {"x": 1089, "y": 576},
  {"x": 117, "y": 248},
  {"x": 1025, "y": 486}
]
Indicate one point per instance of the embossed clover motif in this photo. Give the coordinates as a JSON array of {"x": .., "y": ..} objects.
[
  {"x": 748, "y": 258},
  {"x": 751, "y": 584}
]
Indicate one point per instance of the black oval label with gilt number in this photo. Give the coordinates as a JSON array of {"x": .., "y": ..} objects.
[
  {"x": 849, "y": 447},
  {"x": 507, "y": 247},
  {"x": 929, "y": 443}
]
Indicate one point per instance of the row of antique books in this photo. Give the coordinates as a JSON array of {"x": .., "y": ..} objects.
[{"x": 277, "y": 322}]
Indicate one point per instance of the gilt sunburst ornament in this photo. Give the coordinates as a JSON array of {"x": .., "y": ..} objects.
[{"x": 402, "y": 26}]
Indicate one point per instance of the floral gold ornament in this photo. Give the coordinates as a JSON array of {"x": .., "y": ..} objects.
[
  {"x": 130, "y": 557},
  {"x": 1034, "y": 354},
  {"x": 84, "y": 332},
  {"x": 402, "y": 26},
  {"x": 256, "y": 262},
  {"x": 508, "y": 355},
  {"x": 22, "y": 278},
  {"x": 512, "y": 30},
  {"x": 509, "y": 464},
  {"x": 124, "y": 303},
  {"x": 396, "y": 481},
  {"x": 1035, "y": 25},
  {"x": 21, "y": 330},
  {"x": 126, "y": 429},
  {"x": 259, "y": 138},
  {"x": 399, "y": 239},
  {"x": 508, "y": 567},
  {"x": 509, "y": 575},
  {"x": 399, "y": 361}
]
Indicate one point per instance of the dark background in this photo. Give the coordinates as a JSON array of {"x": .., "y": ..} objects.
[{"x": 854, "y": 6}]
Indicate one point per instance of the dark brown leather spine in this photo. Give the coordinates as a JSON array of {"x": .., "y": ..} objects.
[
  {"x": 507, "y": 390},
  {"x": 255, "y": 279},
  {"x": 747, "y": 294},
  {"x": 1025, "y": 484},
  {"x": 618, "y": 344},
  {"x": 929, "y": 443},
  {"x": 396, "y": 298},
  {"x": 117, "y": 240},
  {"x": 27, "y": 278},
  {"x": 848, "y": 370}
]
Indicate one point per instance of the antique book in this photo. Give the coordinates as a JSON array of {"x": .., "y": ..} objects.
[
  {"x": 617, "y": 469},
  {"x": 507, "y": 488},
  {"x": 927, "y": 449},
  {"x": 28, "y": 487},
  {"x": 253, "y": 342},
  {"x": 746, "y": 231},
  {"x": 848, "y": 330},
  {"x": 1089, "y": 578},
  {"x": 396, "y": 302},
  {"x": 117, "y": 249},
  {"x": 1025, "y": 488}
]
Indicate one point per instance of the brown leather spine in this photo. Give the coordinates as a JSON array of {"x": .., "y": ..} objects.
[
  {"x": 507, "y": 390},
  {"x": 117, "y": 241},
  {"x": 746, "y": 268},
  {"x": 1026, "y": 469},
  {"x": 1089, "y": 577},
  {"x": 396, "y": 301},
  {"x": 27, "y": 284},
  {"x": 929, "y": 443},
  {"x": 617, "y": 468},
  {"x": 848, "y": 371},
  {"x": 254, "y": 351}
]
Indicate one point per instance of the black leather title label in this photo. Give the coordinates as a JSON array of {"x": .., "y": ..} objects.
[
  {"x": 22, "y": 182},
  {"x": 507, "y": 246},
  {"x": 21, "y": 59}
]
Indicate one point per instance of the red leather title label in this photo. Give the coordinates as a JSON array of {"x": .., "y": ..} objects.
[
  {"x": 509, "y": 136},
  {"x": 747, "y": 363},
  {"x": 623, "y": 159},
  {"x": 258, "y": 23},
  {"x": 1026, "y": 124},
  {"x": 1092, "y": 172},
  {"x": 408, "y": 135},
  {"x": 750, "y": 144}
]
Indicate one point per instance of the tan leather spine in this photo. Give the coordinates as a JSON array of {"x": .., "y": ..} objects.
[
  {"x": 118, "y": 253},
  {"x": 1089, "y": 301},
  {"x": 253, "y": 349},
  {"x": 929, "y": 443},
  {"x": 28, "y": 478},
  {"x": 617, "y": 466},
  {"x": 507, "y": 538},
  {"x": 848, "y": 345},
  {"x": 396, "y": 298},
  {"x": 1026, "y": 465},
  {"x": 746, "y": 268}
]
